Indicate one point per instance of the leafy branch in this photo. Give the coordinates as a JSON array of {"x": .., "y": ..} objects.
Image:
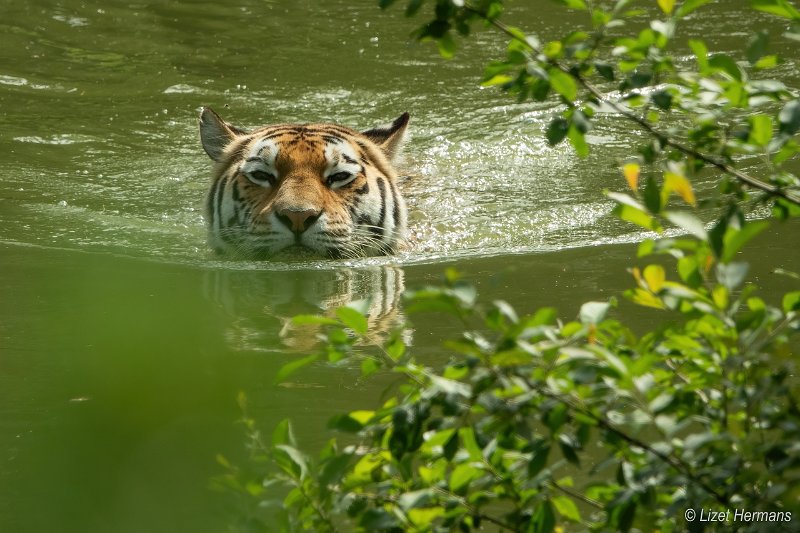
[{"x": 599, "y": 96}]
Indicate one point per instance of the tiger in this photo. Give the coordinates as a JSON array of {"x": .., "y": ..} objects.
[{"x": 320, "y": 188}]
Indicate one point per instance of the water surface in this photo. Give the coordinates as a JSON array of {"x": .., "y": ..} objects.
[{"x": 124, "y": 341}]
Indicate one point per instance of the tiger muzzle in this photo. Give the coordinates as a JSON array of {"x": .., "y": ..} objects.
[{"x": 298, "y": 221}]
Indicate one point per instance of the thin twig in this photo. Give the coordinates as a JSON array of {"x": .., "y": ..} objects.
[{"x": 576, "y": 495}]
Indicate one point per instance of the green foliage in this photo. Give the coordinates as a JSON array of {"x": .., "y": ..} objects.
[
  {"x": 537, "y": 422},
  {"x": 713, "y": 113},
  {"x": 699, "y": 413}
]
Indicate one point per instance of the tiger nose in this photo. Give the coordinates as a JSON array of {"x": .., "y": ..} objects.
[{"x": 298, "y": 221}]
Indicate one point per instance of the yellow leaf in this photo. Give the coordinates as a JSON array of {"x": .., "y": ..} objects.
[
  {"x": 681, "y": 186},
  {"x": 646, "y": 299},
  {"x": 631, "y": 173},
  {"x": 666, "y": 5},
  {"x": 654, "y": 276}
]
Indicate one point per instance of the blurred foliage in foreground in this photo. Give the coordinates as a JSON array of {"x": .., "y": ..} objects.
[{"x": 699, "y": 413}]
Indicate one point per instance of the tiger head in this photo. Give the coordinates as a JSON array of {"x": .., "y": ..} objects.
[{"x": 323, "y": 188}]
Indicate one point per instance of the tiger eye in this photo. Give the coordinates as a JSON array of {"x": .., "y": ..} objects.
[
  {"x": 260, "y": 177},
  {"x": 339, "y": 176}
]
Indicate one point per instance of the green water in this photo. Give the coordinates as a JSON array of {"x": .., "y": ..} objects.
[{"x": 124, "y": 342}]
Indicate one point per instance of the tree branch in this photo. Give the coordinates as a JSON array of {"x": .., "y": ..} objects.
[{"x": 747, "y": 179}]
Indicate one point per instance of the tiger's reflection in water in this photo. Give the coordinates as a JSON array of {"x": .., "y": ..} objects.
[{"x": 261, "y": 304}]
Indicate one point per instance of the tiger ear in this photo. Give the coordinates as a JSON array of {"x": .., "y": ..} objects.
[
  {"x": 215, "y": 133},
  {"x": 390, "y": 137}
]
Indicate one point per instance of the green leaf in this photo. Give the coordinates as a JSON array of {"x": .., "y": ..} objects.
[
  {"x": 757, "y": 46},
  {"x": 412, "y": 7},
  {"x": 497, "y": 79},
  {"x": 295, "y": 456},
  {"x": 563, "y": 84},
  {"x": 767, "y": 62},
  {"x": 578, "y": 141},
  {"x": 519, "y": 35},
  {"x": 463, "y": 475},
  {"x": 666, "y": 6},
  {"x": 348, "y": 423},
  {"x": 424, "y": 517},
  {"x": 449, "y": 386},
  {"x": 447, "y": 45},
  {"x": 293, "y": 366},
  {"x": 689, "y": 271},
  {"x": 732, "y": 275},
  {"x": 701, "y": 53},
  {"x": 784, "y": 209},
  {"x": 506, "y": 311},
  {"x": 638, "y": 217},
  {"x": 760, "y": 130},
  {"x": 716, "y": 236},
  {"x": 495, "y": 10},
  {"x": 553, "y": 50},
  {"x": 593, "y": 312},
  {"x": 514, "y": 357},
  {"x": 605, "y": 70},
  {"x": 688, "y": 6},
  {"x": 662, "y": 99},
  {"x": 735, "y": 239},
  {"x": 566, "y": 508},
  {"x": 470, "y": 443},
  {"x": 782, "y": 8},
  {"x": 396, "y": 348},
  {"x": 574, "y": 4},
  {"x": 791, "y": 302},
  {"x": 417, "y": 498},
  {"x": 652, "y": 195},
  {"x": 282, "y": 434},
  {"x": 557, "y": 130},
  {"x": 353, "y": 319},
  {"x": 580, "y": 121},
  {"x": 378, "y": 519},
  {"x": 726, "y": 64},
  {"x": 438, "y": 439},
  {"x": 556, "y": 417},
  {"x": 688, "y": 222},
  {"x": 661, "y": 402},
  {"x": 568, "y": 448},
  {"x": 369, "y": 366},
  {"x": 541, "y": 454},
  {"x": 334, "y": 468},
  {"x": 626, "y": 516},
  {"x": 625, "y": 199},
  {"x": 496, "y": 68},
  {"x": 789, "y": 117},
  {"x": 544, "y": 519}
]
